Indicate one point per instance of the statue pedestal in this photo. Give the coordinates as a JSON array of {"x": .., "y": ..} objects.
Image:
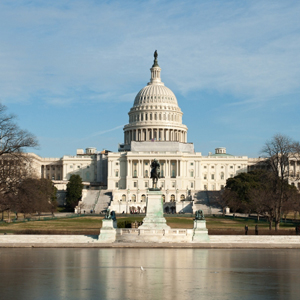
[
  {"x": 108, "y": 231},
  {"x": 155, "y": 212},
  {"x": 200, "y": 231}
]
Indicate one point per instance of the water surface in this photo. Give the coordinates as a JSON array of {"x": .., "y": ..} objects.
[{"x": 169, "y": 274}]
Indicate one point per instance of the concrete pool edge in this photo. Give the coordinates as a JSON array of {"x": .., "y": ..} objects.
[{"x": 215, "y": 242}]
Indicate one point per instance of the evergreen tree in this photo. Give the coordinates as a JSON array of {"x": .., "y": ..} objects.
[{"x": 74, "y": 191}]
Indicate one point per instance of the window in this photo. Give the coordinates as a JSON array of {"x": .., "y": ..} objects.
[
  {"x": 222, "y": 167},
  {"x": 192, "y": 185},
  {"x": 222, "y": 175},
  {"x": 134, "y": 174},
  {"x": 192, "y": 173},
  {"x": 182, "y": 197},
  {"x": 172, "y": 198},
  {"x": 164, "y": 198},
  {"x": 78, "y": 167},
  {"x": 173, "y": 183},
  {"x": 239, "y": 167},
  {"x": 212, "y": 176},
  {"x": 117, "y": 163},
  {"x": 117, "y": 184},
  {"x": 133, "y": 197},
  {"x": 222, "y": 187},
  {"x": 88, "y": 167},
  {"x": 205, "y": 187},
  {"x": 135, "y": 184},
  {"x": 143, "y": 199},
  {"x": 231, "y": 167},
  {"x": 146, "y": 184},
  {"x": 204, "y": 167},
  {"x": 213, "y": 187},
  {"x": 205, "y": 176},
  {"x": 117, "y": 173},
  {"x": 124, "y": 197},
  {"x": 192, "y": 164},
  {"x": 146, "y": 174},
  {"x": 231, "y": 175},
  {"x": 71, "y": 167},
  {"x": 212, "y": 167}
]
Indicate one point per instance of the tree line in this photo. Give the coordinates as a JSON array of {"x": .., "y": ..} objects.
[{"x": 267, "y": 191}]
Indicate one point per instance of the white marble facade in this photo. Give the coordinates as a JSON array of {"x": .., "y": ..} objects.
[{"x": 155, "y": 131}]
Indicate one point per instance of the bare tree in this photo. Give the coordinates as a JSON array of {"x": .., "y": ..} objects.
[
  {"x": 279, "y": 151},
  {"x": 13, "y": 140},
  {"x": 15, "y": 165},
  {"x": 35, "y": 195}
]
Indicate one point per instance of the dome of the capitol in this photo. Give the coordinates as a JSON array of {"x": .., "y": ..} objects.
[
  {"x": 155, "y": 114},
  {"x": 155, "y": 94}
]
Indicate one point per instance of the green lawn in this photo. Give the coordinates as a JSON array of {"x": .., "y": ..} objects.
[{"x": 92, "y": 224}]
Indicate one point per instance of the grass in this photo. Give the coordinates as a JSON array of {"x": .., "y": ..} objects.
[{"x": 92, "y": 224}]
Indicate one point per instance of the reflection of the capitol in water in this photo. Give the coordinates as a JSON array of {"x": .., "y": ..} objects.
[{"x": 169, "y": 274}]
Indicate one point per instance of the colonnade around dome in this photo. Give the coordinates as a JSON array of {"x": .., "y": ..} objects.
[{"x": 155, "y": 134}]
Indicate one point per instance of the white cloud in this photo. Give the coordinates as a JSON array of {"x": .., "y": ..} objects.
[{"x": 65, "y": 51}]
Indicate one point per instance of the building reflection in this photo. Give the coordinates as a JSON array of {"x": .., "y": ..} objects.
[{"x": 169, "y": 273}]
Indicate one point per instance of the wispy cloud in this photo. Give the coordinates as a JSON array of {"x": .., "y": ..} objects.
[
  {"x": 102, "y": 132},
  {"x": 248, "y": 49}
]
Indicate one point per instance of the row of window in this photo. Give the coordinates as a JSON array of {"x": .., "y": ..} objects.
[
  {"x": 143, "y": 198},
  {"x": 222, "y": 167},
  {"x": 212, "y": 187},
  {"x": 154, "y": 116}
]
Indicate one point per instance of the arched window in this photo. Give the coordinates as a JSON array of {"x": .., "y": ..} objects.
[
  {"x": 124, "y": 197},
  {"x": 222, "y": 175},
  {"x": 133, "y": 198},
  {"x": 182, "y": 197},
  {"x": 146, "y": 174},
  {"x": 172, "y": 198},
  {"x": 143, "y": 199}
]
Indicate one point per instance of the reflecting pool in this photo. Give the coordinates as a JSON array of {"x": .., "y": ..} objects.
[{"x": 168, "y": 274}]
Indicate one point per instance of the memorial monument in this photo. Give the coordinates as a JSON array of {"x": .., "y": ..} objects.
[
  {"x": 109, "y": 226},
  {"x": 200, "y": 230},
  {"x": 154, "y": 215}
]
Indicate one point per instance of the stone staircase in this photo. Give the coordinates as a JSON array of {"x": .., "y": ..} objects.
[
  {"x": 103, "y": 201},
  {"x": 94, "y": 200},
  {"x": 207, "y": 201}
]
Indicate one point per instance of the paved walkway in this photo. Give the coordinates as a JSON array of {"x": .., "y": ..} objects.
[{"x": 84, "y": 241}]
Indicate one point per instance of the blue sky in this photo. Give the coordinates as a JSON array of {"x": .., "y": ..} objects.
[{"x": 70, "y": 70}]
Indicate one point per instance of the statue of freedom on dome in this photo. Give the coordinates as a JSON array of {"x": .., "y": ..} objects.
[
  {"x": 155, "y": 173},
  {"x": 155, "y": 54}
]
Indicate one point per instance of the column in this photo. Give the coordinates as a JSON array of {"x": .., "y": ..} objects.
[
  {"x": 64, "y": 172},
  {"x": 180, "y": 169},
  {"x": 129, "y": 168}
]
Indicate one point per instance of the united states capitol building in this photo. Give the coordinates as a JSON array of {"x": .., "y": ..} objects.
[{"x": 188, "y": 179}]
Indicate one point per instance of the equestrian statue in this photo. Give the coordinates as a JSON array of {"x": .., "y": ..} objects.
[{"x": 155, "y": 173}]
